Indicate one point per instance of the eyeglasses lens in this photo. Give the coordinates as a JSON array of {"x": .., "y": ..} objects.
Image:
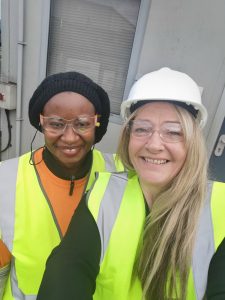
[
  {"x": 80, "y": 125},
  {"x": 169, "y": 131}
]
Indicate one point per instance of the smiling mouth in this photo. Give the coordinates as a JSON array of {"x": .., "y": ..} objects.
[
  {"x": 155, "y": 161},
  {"x": 70, "y": 150}
]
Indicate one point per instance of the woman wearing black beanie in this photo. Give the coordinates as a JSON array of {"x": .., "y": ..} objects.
[{"x": 42, "y": 189}]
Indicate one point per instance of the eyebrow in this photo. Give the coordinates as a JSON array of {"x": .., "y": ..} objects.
[
  {"x": 147, "y": 120},
  {"x": 76, "y": 117}
]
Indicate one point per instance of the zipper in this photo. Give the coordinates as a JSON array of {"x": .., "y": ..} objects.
[{"x": 72, "y": 183}]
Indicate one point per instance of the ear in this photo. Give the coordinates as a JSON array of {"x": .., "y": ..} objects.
[
  {"x": 40, "y": 120},
  {"x": 97, "y": 118}
]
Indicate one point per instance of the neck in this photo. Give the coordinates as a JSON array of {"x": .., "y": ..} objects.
[
  {"x": 67, "y": 173},
  {"x": 150, "y": 192}
]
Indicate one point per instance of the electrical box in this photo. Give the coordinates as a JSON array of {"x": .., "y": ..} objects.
[{"x": 7, "y": 95}]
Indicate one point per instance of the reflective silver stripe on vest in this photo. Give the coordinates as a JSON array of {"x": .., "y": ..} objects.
[
  {"x": 109, "y": 208},
  {"x": 8, "y": 178},
  {"x": 16, "y": 292},
  {"x": 204, "y": 248},
  {"x": 109, "y": 162}
]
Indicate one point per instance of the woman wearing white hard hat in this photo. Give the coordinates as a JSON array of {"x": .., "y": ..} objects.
[{"x": 149, "y": 233}]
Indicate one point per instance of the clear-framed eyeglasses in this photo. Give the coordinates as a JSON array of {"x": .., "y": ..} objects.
[
  {"x": 80, "y": 125},
  {"x": 169, "y": 132}
]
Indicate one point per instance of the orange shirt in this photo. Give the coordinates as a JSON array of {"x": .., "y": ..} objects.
[
  {"x": 57, "y": 191},
  {"x": 61, "y": 203},
  {"x": 5, "y": 255}
]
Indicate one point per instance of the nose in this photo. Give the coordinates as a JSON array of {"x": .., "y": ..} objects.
[
  {"x": 69, "y": 135},
  {"x": 154, "y": 142}
]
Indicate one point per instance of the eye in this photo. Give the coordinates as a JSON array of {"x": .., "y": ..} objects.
[
  {"x": 82, "y": 123},
  {"x": 56, "y": 124},
  {"x": 172, "y": 132},
  {"x": 140, "y": 130}
]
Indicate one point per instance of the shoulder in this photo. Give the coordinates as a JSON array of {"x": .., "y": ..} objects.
[
  {"x": 216, "y": 275},
  {"x": 9, "y": 168},
  {"x": 217, "y": 184},
  {"x": 107, "y": 161},
  {"x": 216, "y": 203},
  {"x": 215, "y": 189},
  {"x": 12, "y": 161},
  {"x": 97, "y": 153},
  {"x": 113, "y": 177},
  {"x": 109, "y": 185},
  {"x": 9, "y": 165}
]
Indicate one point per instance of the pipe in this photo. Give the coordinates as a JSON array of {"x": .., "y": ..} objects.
[{"x": 20, "y": 49}]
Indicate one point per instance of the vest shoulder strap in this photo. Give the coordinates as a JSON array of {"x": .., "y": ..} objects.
[
  {"x": 210, "y": 233},
  {"x": 104, "y": 201},
  {"x": 8, "y": 179},
  {"x": 112, "y": 164},
  {"x": 121, "y": 214},
  {"x": 218, "y": 209}
]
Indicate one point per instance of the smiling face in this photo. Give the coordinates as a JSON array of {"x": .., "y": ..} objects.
[
  {"x": 156, "y": 161},
  {"x": 69, "y": 148}
]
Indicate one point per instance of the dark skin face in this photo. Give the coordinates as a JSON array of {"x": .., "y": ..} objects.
[{"x": 69, "y": 148}]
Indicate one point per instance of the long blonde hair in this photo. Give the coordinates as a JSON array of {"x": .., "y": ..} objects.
[{"x": 168, "y": 240}]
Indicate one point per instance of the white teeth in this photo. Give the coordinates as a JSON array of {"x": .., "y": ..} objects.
[
  {"x": 156, "y": 161},
  {"x": 70, "y": 149}
]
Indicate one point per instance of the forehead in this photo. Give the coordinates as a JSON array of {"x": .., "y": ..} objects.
[
  {"x": 158, "y": 112},
  {"x": 69, "y": 102}
]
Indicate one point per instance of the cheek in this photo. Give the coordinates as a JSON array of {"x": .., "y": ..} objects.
[
  {"x": 132, "y": 150},
  {"x": 180, "y": 153},
  {"x": 183, "y": 161},
  {"x": 49, "y": 139},
  {"x": 89, "y": 138}
]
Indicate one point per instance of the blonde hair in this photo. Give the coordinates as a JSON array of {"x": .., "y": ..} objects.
[{"x": 168, "y": 239}]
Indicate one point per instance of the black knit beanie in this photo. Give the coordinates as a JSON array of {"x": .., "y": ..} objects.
[{"x": 71, "y": 82}]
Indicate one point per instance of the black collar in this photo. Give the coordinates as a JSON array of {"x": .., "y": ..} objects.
[{"x": 64, "y": 173}]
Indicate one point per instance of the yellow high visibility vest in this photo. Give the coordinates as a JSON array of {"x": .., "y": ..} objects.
[
  {"x": 26, "y": 222},
  {"x": 118, "y": 207}
]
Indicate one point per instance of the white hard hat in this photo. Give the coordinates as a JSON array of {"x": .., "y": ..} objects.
[{"x": 166, "y": 85}]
